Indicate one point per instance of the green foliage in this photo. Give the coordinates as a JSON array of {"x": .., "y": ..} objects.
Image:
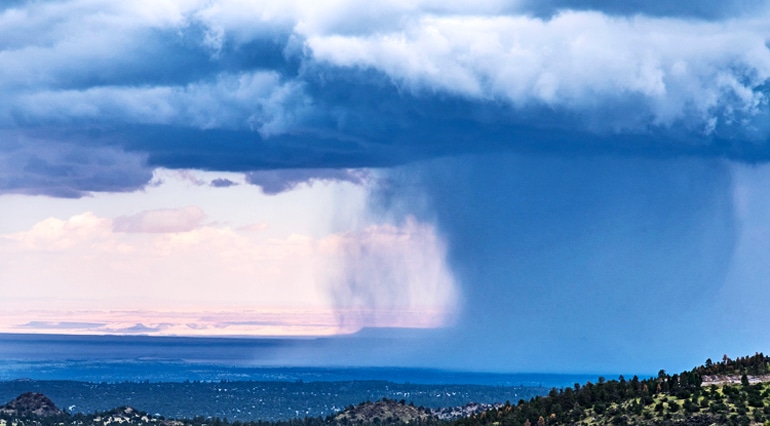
[
  {"x": 691, "y": 407},
  {"x": 755, "y": 365},
  {"x": 664, "y": 399}
]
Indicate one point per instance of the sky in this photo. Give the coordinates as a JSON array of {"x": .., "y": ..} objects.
[{"x": 496, "y": 186}]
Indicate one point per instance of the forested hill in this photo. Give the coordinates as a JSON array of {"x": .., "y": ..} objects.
[
  {"x": 754, "y": 368},
  {"x": 663, "y": 400}
]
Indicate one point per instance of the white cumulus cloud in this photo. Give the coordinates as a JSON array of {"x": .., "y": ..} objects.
[
  {"x": 167, "y": 259},
  {"x": 659, "y": 71}
]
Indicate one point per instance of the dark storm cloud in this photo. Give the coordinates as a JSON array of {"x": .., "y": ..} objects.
[
  {"x": 222, "y": 183},
  {"x": 276, "y": 181},
  {"x": 63, "y": 168},
  {"x": 220, "y": 86}
]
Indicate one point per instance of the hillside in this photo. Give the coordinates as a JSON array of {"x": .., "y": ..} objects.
[{"x": 679, "y": 399}]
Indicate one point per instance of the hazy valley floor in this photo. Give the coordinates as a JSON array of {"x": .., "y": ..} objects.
[{"x": 256, "y": 400}]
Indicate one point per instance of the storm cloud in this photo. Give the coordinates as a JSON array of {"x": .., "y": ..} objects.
[
  {"x": 244, "y": 87},
  {"x": 276, "y": 181},
  {"x": 576, "y": 157}
]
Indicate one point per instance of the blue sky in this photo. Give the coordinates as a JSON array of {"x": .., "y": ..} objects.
[{"x": 535, "y": 185}]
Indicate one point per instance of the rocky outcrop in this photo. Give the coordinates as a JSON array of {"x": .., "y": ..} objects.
[
  {"x": 733, "y": 379},
  {"x": 31, "y": 404},
  {"x": 467, "y": 410},
  {"x": 385, "y": 411}
]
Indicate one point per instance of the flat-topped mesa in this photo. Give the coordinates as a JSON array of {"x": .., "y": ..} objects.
[{"x": 31, "y": 403}]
